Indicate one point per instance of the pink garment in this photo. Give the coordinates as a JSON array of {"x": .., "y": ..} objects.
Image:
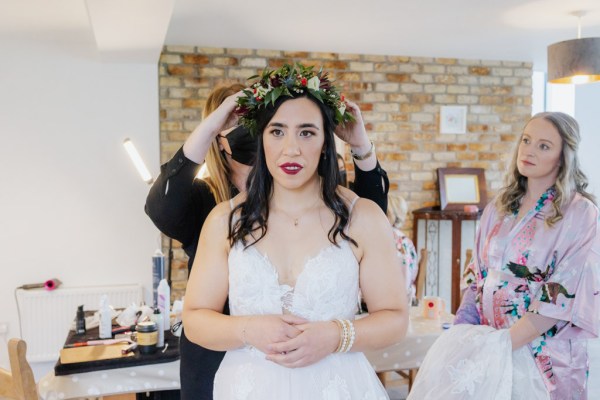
[
  {"x": 521, "y": 266},
  {"x": 408, "y": 253}
]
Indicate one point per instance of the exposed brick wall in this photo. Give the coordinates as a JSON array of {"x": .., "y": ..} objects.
[{"x": 400, "y": 98}]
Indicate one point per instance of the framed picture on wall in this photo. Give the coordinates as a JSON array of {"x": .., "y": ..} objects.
[
  {"x": 453, "y": 119},
  {"x": 460, "y": 187}
]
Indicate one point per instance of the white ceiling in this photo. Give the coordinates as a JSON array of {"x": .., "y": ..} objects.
[{"x": 128, "y": 30}]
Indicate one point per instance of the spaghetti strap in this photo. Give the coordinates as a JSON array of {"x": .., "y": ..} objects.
[
  {"x": 352, "y": 204},
  {"x": 350, "y": 208},
  {"x": 231, "y": 204}
]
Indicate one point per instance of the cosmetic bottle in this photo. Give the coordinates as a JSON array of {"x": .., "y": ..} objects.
[
  {"x": 158, "y": 272},
  {"x": 105, "y": 318},
  {"x": 147, "y": 336},
  {"x": 164, "y": 303},
  {"x": 158, "y": 319},
  {"x": 80, "y": 321}
]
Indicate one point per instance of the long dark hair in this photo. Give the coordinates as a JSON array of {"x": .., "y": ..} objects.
[{"x": 254, "y": 211}]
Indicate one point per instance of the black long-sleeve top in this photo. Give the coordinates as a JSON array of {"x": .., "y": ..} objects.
[{"x": 178, "y": 204}]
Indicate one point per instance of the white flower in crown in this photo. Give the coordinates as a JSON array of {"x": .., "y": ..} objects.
[
  {"x": 260, "y": 91},
  {"x": 313, "y": 83},
  {"x": 342, "y": 107}
]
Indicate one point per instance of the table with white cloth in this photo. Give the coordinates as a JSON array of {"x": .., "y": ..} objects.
[
  {"x": 407, "y": 354},
  {"x": 410, "y": 351},
  {"x": 137, "y": 379}
]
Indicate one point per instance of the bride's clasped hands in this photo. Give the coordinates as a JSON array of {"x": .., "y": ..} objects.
[
  {"x": 315, "y": 341},
  {"x": 263, "y": 332}
]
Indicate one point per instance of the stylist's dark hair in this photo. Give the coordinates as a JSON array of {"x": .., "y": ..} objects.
[{"x": 254, "y": 212}]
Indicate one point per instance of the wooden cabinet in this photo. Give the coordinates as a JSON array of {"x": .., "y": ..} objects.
[{"x": 446, "y": 236}]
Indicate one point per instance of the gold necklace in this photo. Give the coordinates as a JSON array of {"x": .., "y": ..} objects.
[{"x": 297, "y": 219}]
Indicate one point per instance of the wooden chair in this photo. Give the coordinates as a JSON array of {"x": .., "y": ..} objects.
[
  {"x": 420, "y": 284},
  {"x": 468, "y": 256},
  {"x": 19, "y": 383}
]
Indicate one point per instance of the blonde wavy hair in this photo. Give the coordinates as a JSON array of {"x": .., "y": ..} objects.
[
  {"x": 570, "y": 178},
  {"x": 397, "y": 210},
  {"x": 218, "y": 172}
]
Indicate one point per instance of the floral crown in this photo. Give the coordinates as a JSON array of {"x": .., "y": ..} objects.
[{"x": 289, "y": 81}]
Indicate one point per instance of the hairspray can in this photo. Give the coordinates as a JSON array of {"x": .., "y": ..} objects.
[{"x": 158, "y": 272}]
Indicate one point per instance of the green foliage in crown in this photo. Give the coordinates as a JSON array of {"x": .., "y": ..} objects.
[{"x": 289, "y": 80}]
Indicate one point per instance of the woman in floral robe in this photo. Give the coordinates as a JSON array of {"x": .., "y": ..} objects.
[{"x": 534, "y": 272}]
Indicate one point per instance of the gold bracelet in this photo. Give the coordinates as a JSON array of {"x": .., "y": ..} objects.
[
  {"x": 343, "y": 335},
  {"x": 361, "y": 157}
]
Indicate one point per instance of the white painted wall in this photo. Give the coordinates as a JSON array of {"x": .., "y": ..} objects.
[
  {"x": 560, "y": 97},
  {"x": 538, "y": 92},
  {"x": 71, "y": 203}
]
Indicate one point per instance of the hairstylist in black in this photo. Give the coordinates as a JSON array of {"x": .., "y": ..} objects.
[{"x": 178, "y": 204}]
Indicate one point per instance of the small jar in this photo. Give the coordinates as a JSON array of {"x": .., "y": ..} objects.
[{"x": 147, "y": 336}]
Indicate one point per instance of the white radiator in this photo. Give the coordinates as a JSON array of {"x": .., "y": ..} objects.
[{"x": 46, "y": 316}]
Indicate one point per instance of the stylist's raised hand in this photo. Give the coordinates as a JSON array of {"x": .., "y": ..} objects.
[
  {"x": 353, "y": 133},
  {"x": 316, "y": 341},
  {"x": 223, "y": 117},
  {"x": 262, "y": 331},
  {"x": 198, "y": 143}
]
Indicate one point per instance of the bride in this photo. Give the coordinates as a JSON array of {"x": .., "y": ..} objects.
[{"x": 290, "y": 256}]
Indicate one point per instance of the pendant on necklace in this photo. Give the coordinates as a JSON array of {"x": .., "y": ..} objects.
[{"x": 295, "y": 221}]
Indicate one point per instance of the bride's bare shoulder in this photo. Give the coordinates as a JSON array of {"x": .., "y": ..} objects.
[
  {"x": 366, "y": 217},
  {"x": 220, "y": 215}
]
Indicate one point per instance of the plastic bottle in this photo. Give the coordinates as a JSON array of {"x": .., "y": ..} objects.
[
  {"x": 80, "y": 321},
  {"x": 105, "y": 318},
  {"x": 158, "y": 271},
  {"x": 164, "y": 303},
  {"x": 158, "y": 319}
]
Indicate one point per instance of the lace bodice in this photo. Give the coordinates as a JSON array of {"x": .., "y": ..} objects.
[{"x": 327, "y": 287}]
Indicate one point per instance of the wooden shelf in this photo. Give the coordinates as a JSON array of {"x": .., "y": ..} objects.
[{"x": 435, "y": 214}]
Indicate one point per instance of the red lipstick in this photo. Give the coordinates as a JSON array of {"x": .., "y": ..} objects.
[{"x": 291, "y": 168}]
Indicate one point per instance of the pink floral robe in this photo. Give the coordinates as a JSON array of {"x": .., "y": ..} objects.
[{"x": 521, "y": 266}]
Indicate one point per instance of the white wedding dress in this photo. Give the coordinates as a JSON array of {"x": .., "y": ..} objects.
[
  {"x": 326, "y": 289},
  {"x": 477, "y": 362}
]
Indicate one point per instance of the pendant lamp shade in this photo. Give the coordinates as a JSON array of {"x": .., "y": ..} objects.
[{"x": 574, "y": 61}]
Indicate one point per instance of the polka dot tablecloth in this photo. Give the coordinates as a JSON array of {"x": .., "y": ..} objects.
[
  {"x": 407, "y": 354},
  {"x": 139, "y": 379},
  {"x": 410, "y": 352}
]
